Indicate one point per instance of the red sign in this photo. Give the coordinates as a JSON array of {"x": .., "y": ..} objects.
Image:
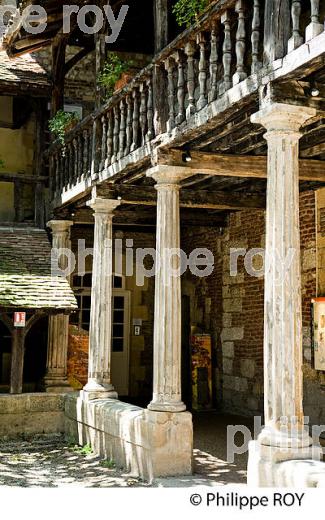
[{"x": 20, "y": 319}]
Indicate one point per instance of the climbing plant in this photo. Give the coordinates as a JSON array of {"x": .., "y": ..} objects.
[
  {"x": 112, "y": 71},
  {"x": 187, "y": 12},
  {"x": 61, "y": 123}
]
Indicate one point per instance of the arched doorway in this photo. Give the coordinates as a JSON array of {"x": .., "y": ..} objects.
[{"x": 35, "y": 356}]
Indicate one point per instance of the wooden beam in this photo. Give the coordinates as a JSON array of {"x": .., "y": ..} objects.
[
  {"x": 234, "y": 165},
  {"x": 161, "y": 24},
  {"x": 196, "y": 199},
  {"x": 313, "y": 151},
  {"x": 140, "y": 218},
  {"x": 17, "y": 360},
  {"x": 58, "y": 74}
]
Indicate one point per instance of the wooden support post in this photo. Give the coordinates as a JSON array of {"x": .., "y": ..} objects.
[
  {"x": 17, "y": 360},
  {"x": 58, "y": 74},
  {"x": 277, "y": 21},
  {"x": 161, "y": 24},
  {"x": 100, "y": 46}
]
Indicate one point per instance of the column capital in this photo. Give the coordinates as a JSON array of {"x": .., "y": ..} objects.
[
  {"x": 282, "y": 117},
  {"x": 104, "y": 206},
  {"x": 60, "y": 226},
  {"x": 169, "y": 175}
]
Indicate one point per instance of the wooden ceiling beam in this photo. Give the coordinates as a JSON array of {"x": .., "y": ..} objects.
[
  {"x": 249, "y": 166},
  {"x": 195, "y": 199}
]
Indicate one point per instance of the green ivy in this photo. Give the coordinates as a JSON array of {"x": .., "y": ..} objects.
[
  {"x": 60, "y": 122},
  {"x": 112, "y": 71},
  {"x": 188, "y": 11}
]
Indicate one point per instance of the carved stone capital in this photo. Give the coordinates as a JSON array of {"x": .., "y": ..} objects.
[
  {"x": 60, "y": 226},
  {"x": 282, "y": 118},
  {"x": 104, "y": 206},
  {"x": 169, "y": 175}
]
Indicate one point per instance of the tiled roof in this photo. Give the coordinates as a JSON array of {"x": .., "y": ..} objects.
[
  {"x": 25, "y": 273},
  {"x": 24, "y": 69}
]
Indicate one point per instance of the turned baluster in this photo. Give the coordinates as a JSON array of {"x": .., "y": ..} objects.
[
  {"x": 190, "y": 51},
  {"x": 68, "y": 160},
  {"x": 202, "y": 101},
  {"x": 143, "y": 112},
  {"x": 79, "y": 139},
  {"x": 255, "y": 38},
  {"x": 116, "y": 132},
  {"x": 104, "y": 142},
  {"x": 56, "y": 169},
  {"x": 150, "y": 131},
  {"x": 109, "y": 142},
  {"x": 179, "y": 59},
  {"x": 128, "y": 124},
  {"x": 75, "y": 160},
  {"x": 61, "y": 172},
  {"x": 122, "y": 129},
  {"x": 240, "y": 73},
  {"x": 213, "y": 93},
  {"x": 226, "y": 50},
  {"x": 296, "y": 39},
  {"x": 135, "y": 121},
  {"x": 170, "y": 67},
  {"x": 85, "y": 152},
  {"x": 314, "y": 28}
]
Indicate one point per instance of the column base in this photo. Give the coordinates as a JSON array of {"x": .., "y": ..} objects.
[
  {"x": 271, "y": 436},
  {"x": 265, "y": 468},
  {"x": 57, "y": 385},
  {"x": 155, "y": 406},
  {"x": 94, "y": 390}
]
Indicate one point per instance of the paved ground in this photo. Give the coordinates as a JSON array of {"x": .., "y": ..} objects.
[{"x": 51, "y": 462}]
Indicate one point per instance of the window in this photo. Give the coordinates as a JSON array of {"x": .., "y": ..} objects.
[{"x": 82, "y": 288}]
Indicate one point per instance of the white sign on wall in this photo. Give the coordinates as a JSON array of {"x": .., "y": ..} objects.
[{"x": 20, "y": 319}]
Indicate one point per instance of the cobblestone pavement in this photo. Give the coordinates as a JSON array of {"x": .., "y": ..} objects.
[{"x": 51, "y": 462}]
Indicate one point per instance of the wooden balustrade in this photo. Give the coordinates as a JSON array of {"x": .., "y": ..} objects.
[{"x": 228, "y": 45}]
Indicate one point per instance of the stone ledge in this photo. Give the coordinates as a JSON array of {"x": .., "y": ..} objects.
[{"x": 148, "y": 444}]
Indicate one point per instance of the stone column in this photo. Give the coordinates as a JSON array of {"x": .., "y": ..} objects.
[
  {"x": 284, "y": 433},
  {"x": 58, "y": 331},
  {"x": 100, "y": 334},
  {"x": 167, "y": 326}
]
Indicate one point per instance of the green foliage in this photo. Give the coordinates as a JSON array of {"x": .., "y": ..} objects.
[
  {"x": 83, "y": 450},
  {"x": 2, "y": 164},
  {"x": 110, "y": 464},
  {"x": 112, "y": 71},
  {"x": 60, "y": 122},
  {"x": 188, "y": 11}
]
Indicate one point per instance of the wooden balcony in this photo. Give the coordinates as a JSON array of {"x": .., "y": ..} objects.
[{"x": 199, "y": 93}]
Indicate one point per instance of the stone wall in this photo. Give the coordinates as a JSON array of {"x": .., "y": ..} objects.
[{"x": 29, "y": 414}]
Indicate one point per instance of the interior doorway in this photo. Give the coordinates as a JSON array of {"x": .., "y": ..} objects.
[
  {"x": 5, "y": 358},
  {"x": 186, "y": 352},
  {"x": 35, "y": 356},
  {"x": 121, "y": 341}
]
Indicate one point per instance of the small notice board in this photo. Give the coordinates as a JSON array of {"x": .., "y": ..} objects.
[{"x": 318, "y": 312}]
